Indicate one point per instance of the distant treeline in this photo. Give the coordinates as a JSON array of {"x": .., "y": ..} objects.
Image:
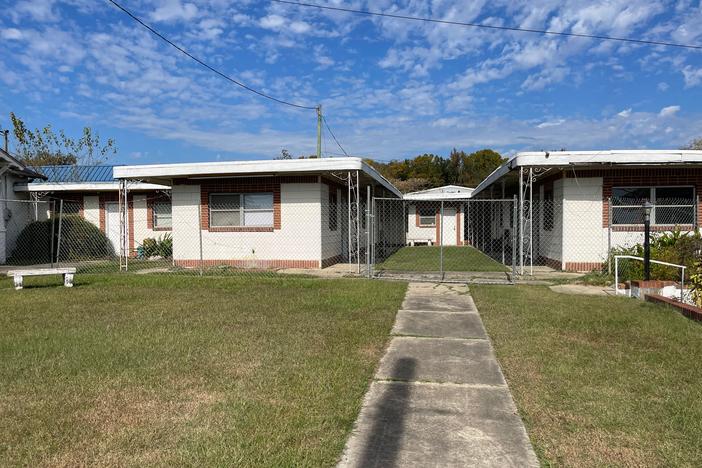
[{"x": 429, "y": 170}]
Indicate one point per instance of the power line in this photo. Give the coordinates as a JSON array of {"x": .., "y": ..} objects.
[
  {"x": 332, "y": 135},
  {"x": 489, "y": 26},
  {"x": 209, "y": 67}
]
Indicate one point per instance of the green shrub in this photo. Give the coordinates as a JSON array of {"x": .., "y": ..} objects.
[
  {"x": 677, "y": 247},
  {"x": 160, "y": 247},
  {"x": 79, "y": 240}
]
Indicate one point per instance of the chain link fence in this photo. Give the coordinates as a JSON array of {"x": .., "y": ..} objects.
[
  {"x": 189, "y": 232},
  {"x": 456, "y": 239},
  {"x": 217, "y": 234}
]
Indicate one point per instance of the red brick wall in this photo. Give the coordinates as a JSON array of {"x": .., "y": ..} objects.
[{"x": 251, "y": 264}]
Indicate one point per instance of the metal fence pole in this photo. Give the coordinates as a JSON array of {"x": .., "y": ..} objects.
[
  {"x": 53, "y": 228},
  {"x": 199, "y": 230},
  {"x": 514, "y": 236},
  {"x": 58, "y": 240},
  {"x": 368, "y": 230},
  {"x": 609, "y": 235},
  {"x": 441, "y": 241}
]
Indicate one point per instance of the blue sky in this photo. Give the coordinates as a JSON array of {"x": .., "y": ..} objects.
[{"x": 389, "y": 88}]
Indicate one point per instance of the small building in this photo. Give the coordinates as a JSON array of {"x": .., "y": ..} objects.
[
  {"x": 92, "y": 193},
  {"x": 14, "y": 209},
  {"x": 425, "y": 223},
  {"x": 576, "y": 206},
  {"x": 304, "y": 213}
]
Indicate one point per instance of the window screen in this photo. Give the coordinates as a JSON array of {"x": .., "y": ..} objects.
[{"x": 235, "y": 210}]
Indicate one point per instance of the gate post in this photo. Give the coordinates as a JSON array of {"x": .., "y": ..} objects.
[
  {"x": 441, "y": 241},
  {"x": 514, "y": 237}
]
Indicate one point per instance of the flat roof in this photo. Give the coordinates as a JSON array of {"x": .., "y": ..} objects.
[
  {"x": 84, "y": 187},
  {"x": 555, "y": 159},
  {"x": 162, "y": 172},
  {"x": 446, "y": 192}
]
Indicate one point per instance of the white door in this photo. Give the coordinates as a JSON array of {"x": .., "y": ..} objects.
[
  {"x": 448, "y": 236},
  {"x": 112, "y": 224}
]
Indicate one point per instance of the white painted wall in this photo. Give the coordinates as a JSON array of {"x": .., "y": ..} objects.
[
  {"x": 14, "y": 216},
  {"x": 91, "y": 209},
  {"x": 140, "y": 212},
  {"x": 298, "y": 239},
  {"x": 415, "y": 232},
  {"x": 584, "y": 238}
]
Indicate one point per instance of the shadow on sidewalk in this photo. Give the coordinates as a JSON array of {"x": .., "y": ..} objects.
[{"x": 383, "y": 442}]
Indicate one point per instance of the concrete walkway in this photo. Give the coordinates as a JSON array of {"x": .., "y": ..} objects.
[{"x": 439, "y": 397}]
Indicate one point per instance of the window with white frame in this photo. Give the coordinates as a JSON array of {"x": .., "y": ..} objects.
[
  {"x": 427, "y": 216},
  {"x": 241, "y": 209},
  {"x": 162, "y": 214},
  {"x": 671, "y": 205}
]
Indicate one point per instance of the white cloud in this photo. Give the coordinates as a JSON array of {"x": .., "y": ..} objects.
[
  {"x": 663, "y": 86},
  {"x": 39, "y": 10},
  {"x": 272, "y": 22},
  {"x": 669, "y": 111},
  {"x": 625, "y": 113},
  {"x": 552, "y": 123},
  {"x": 693, "y": 76},
  {"x": 299, "y": 27},
  {"x": 174, "y": 10},
  {"x": 11, "y": 34}
]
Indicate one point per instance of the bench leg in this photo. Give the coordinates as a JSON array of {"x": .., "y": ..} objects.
[
  {"x": 68, "y": 280},
  {"x": 18, "y": 282}
]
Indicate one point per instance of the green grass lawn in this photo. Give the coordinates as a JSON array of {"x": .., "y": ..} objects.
[
  {"x": 167, "y": 370},
  {"x": 427, "y": 258},
  {"x": 599, "y": 381}
]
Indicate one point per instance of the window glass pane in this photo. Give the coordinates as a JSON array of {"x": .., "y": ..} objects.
[
  {"x": 674, "y": 215},
  {"x": 162, "y": 214},
  {"x": 427, "y": 220},
  {"x": 627, "y": 215},
  {"x": 221, "y": 201},
  {"x": 258, "y": 218},
  {"x": 258, "y": 201},
  {"x": 675, "y": 195},
  {"x": 224, "y": 218},
  {"x": 630, "y": 195}
]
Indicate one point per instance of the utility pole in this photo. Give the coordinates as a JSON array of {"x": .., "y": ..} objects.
[{"x": 319, "y": 131}]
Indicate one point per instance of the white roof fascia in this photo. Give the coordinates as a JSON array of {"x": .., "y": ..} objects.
[
  {"x": 84, "y": 187},
  {"x": 439, "y": 196},
  {"x": 592, "y": 158},
  {"x": 276, "y": 166}
]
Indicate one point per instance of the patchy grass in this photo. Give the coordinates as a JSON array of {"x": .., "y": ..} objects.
[
  {"x": 166, "y": 370},
  {"x": 427, "y": 258},
  {"x": 599, "y": 381}
]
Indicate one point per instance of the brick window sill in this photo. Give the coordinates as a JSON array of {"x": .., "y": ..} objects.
[
  {"x": 161, "y": 229},
  {"x": 241, "y": 229},
  {"x": 654, "y": 228}
]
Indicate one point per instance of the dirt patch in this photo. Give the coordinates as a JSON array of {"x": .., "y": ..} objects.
[{"x": 133, "y": 419}]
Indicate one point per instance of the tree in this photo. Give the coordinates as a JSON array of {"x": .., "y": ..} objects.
[
  {"x": 478, "y": 165},
  {"x": 695, "y": 144},
  {"x": 284, "y": 154},
  {"x": 41, "y": 147},
  {"x": 429, "y": 170}
]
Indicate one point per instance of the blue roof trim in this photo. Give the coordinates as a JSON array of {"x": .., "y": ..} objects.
[{"x": 76, "y": 174}]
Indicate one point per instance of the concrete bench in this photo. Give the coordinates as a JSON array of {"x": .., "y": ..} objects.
[
  {"x": 19, "y": 275},
  {"x": 425, "y": 241}
]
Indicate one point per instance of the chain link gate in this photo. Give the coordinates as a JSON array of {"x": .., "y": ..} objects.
[{"x": 466, "y": 240}]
